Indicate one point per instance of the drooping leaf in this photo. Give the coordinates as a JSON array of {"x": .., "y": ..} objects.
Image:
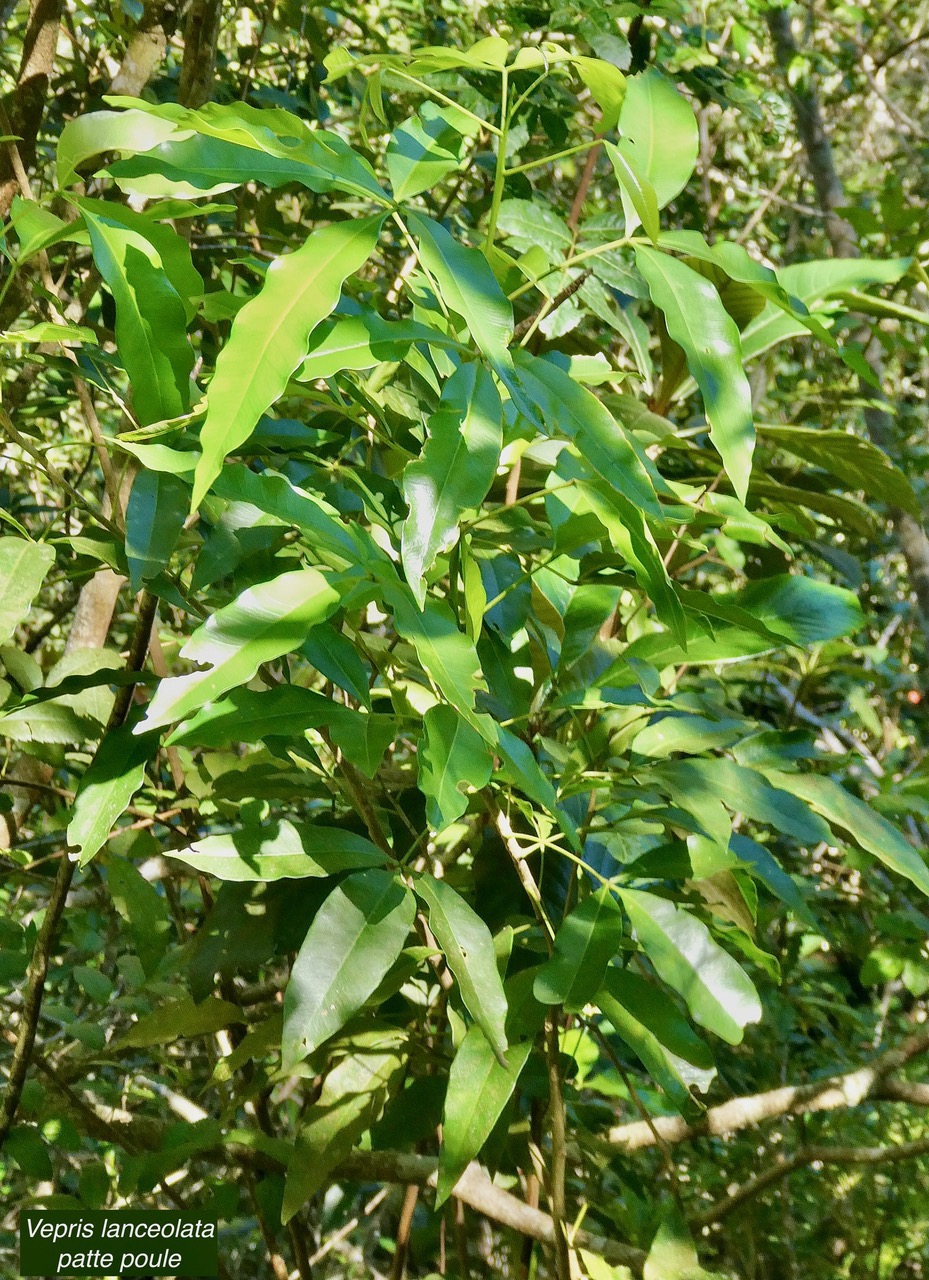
[
  {"x": 447, "y": 654},
  {"x": 647, "y": 1019},
  {"x": 866, "y": 827},
  {"x": 264, "y": 622},
  {"x": 698, "y": 322},
  {"x": 859, "y": 463},
  {"x": 352, "y": 1098},
  {"x": 454, "y": 471},
  {"x": 718, "y": 992},
  {"x": 479, "y": 1085},
  {"x": 638, "y": 195},
  {"x": 354, "y": 939},
  {"x": 270, "y": 335},
  {"x": 468, "y": 947},
  {"x": 586, "y": 942}
]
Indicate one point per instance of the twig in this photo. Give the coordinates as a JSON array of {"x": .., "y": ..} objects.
[{"x": 37, "y": 972}]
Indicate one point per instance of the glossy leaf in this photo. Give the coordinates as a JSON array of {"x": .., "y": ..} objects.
[
  {"x": 155, "y": 515},
  {"x": 454, "y": 471},
  {"x": 270, "y": 335},
  {"x": 264, "y": 622},
  {"x": 586, "y": 942},
  {"x": 452, "y": 756},
  {"x": 468, "y": 947},
  {"x": 719, "y": 993},
  {"x": 425, "y": 149},
  {"x": 151, "y": 320},
  {"x": 111, "y": 780},
  {"x": 480, "y": 1086},
  {"x": 658, "y": 130},
  {"x": 280, "y": 850},
  {"x": 354, "y": 939},
  {"x": 23, "y": 566},
  {"x": 699, "y": 324}
]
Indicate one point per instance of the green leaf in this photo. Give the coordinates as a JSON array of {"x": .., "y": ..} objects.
[
  {"x": 145, "y": 911},
  {"x": 479, "y": 1086},
  {"x": 155, "y": 515},
  {"x": 247, "y": 715},
  {"x": 178, "y": 1020},
  {"x": 859, "y": 463},
  {"x": 566, "y": 407},
  {"x": 469, "y": 949},
  {"x": 866, "y": 827},
  {"x": 586, "y": 942},
  {"x": 607, "y": 86},
  {"x": 672, "y": 1255},
  {"x": 452, "y": 756},
  {"x": 718, "y": 993},
  {"x": 151, "y": 319},
  {"x": 657, "y": 128},
  {"x": 270, "y": 335},
  {"x": 351, "y": 1101},
  {"x": 454, "y": 471},
  {"x": 743, "y": 791},
  {"x": 265, "y": 621},
  {"x": 699, "y": 323},
  {"x": 469, "y": 288},
  {"x": 425, "y": 149},
  {"x": 363, "y": 341},
  {"x": 23, "y": 566},
  {"x": 98, "y": 131},
  {"x": 110, "y": 782},
  {"x": 354, "y": 939},
  {"x": 640, "y": 202},
  {"x": 280, "y": 850},
  {"x": 334, "y": 656},
  {"x": 447, "y": 654},
  {"x": 647, "y": 1019}
]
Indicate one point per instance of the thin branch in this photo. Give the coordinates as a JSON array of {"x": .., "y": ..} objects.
[
  {"x": 556, "y": 1118},
  {"x": 847, "y": 1090}
]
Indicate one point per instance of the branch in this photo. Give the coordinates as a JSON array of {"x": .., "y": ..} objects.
[
  {"x": 26, "y": 105},
  {"x": 847, "y": 1090},
  {"x": 805, "y": 1156}
]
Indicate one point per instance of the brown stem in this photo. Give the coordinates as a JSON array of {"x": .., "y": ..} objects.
[
  {"x": 402, "y": 1249},
  {"x": 556, "y": 1119}
]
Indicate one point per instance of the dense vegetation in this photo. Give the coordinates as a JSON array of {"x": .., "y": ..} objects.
[{"x": 464, "y": 604}]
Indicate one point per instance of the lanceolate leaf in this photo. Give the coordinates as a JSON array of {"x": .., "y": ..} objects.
[
  {"x": 719, "y": 993},
  {"x": 866, "y": 827},
  {"x": 155, "y": 515},
  {"x": 469, "y": 288},
  {"x": 566, "y": 407},
  {"x": 280, "y": 850},
  {"x": 447, "y": 654},
  {"x": 639, "y": 200},
  {"x": 23, "y": 566},
  {"x": 265, "y": 621},
  {"x": 454, "y": 472},
  {"x": 468, "y": 947},
  {"x": 479, "y": 1086},
  {"x": 585, "y": 943},
  {"x": 270, "y": 335},
  {"x": 698, "y": 322},
  {"x": 112, "y": 779},
  {"x": 354, "y": 939},
  {"x": 151, "y": 320}
]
